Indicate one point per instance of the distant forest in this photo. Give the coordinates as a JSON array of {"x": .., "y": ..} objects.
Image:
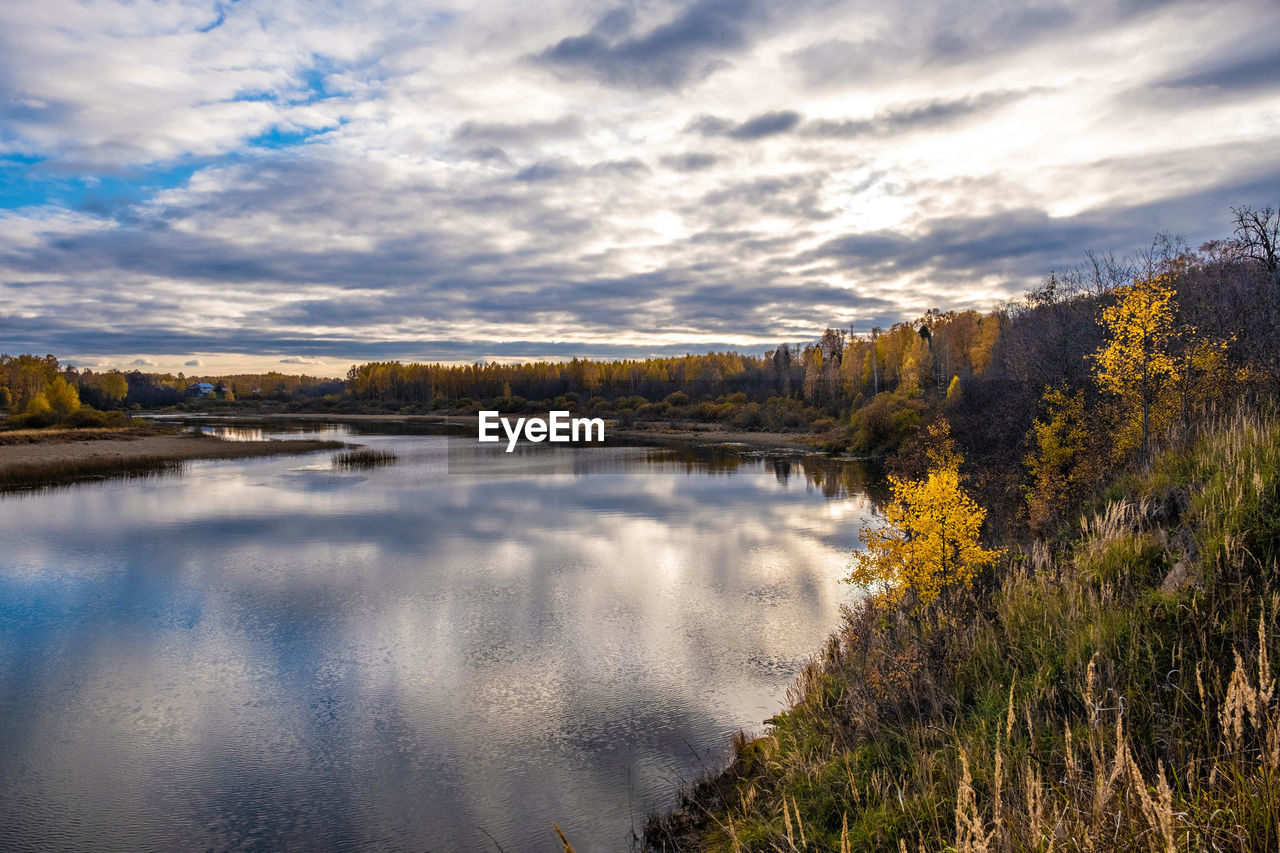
[{"x": 998, "y": 377}]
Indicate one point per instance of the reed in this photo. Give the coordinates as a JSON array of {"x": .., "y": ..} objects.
[{"x": 363, "y": 458}]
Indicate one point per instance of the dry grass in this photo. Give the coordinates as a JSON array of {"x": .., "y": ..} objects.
[
  {"x": 1115, "y": 693},
  {"x": 34, "y": 475},
  {"x": 53, "y": 435},
  {"x": 29, "y": 465}
]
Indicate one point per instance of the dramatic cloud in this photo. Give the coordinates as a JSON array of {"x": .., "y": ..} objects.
[
  {"x": 697, "y": 40},
  {"x": 293, "y": 186}
]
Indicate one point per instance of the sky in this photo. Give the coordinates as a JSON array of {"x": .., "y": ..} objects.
[{"x": 299, "y": 186}]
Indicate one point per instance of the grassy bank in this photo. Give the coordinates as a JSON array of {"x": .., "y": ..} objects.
[
  {"x": 1113, "y": 690},
  {"x": 49, "y": 458},
  {"x": 35, "y": 475}
]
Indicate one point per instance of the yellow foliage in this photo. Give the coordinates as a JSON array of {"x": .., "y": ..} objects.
[
  {"x": 980, "y": 351},
  {"x": 928, "y": 541},
  {"x": 63, "y": 397},
  {"x": 813, "y": 375},
  {"x": 1059, "y": 465},
  {"x": 1204, "y": 373},
  {"x": 915, "y": 366},
  {"x": 940, "y": 448},
  {"x": 1136, "y": 363},
  {"x": 38, "y": 405},
  {"x": 114, "y": 386}
]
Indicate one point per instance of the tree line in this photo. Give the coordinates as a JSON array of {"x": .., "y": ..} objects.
[
  {"x": 1077, "y": 373},
  {"x": 41, "y": 391}
]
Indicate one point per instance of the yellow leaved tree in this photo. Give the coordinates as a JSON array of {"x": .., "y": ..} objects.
[
  {"x": 1060, "y": 465},
  {"x": 927, "y": 543},
  {"x": 114, "y": 386},
  {"x": 63, "y": 397},
  {"x": 1136, "y": 362}
]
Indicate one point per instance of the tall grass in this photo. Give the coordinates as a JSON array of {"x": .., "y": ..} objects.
[{"x": 1113, "y": 693}]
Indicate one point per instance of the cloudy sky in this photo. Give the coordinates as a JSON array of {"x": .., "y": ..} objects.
[{"x": 300, "y": 185}]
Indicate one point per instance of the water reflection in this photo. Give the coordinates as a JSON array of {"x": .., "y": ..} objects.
[
  {"x": 273, "y": 654},
  {"x": 835, "y": 478}
]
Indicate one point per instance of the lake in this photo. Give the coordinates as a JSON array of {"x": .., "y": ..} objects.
[{"x": 447, "y": 653}]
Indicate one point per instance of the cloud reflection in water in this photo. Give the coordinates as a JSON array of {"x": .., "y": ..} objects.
[{"x": 250, "y": 657}]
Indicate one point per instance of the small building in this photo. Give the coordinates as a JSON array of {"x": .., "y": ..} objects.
[{"x": 200, "y": 389}]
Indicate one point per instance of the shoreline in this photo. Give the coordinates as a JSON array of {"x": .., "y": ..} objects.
[
  {"x": 58, "y": 457},
  {"x": 49, "y": 457}
]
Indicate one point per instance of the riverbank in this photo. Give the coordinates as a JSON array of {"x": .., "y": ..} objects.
[
  {"x": 34, "y": 458},
  {"x": 1109, "y": 690}
]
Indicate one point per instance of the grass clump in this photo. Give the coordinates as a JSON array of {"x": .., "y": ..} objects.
[
  {"x": 363, "y": 458},
  {"x": 1117, "y": 692}
]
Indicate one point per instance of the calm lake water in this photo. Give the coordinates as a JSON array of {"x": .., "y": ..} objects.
[{"x": 442, "y": 654}]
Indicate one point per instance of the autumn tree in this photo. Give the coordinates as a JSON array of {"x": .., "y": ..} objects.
[
  {"x": 63, "y": 397},
  {"x": 984, "y": 341},
  {"x": 875, "y": 362},
  {"x": 1135, "y": 362},
  {"x": 813, "y": 375},
  {"x": 1202, "y": 373},
  {"x": 915, "y": 366},
  {"x": 114, "y": 386},
  {"x": 927, "y": 544},
  {"x": 1059, "y": 466},
  {"x": 38, "y": 406},
  {"x": 27, "y": 376},
  {"x": 851, "y": 368}
]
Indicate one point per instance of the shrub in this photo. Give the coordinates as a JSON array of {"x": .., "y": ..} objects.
[
  {"x": 88, "y": 417},
  {"x": 751, "y": 417},
  {"x": 885, "y": 422}
]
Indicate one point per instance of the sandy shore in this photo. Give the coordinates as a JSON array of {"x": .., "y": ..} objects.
[{"x": 59, "y": 456}]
